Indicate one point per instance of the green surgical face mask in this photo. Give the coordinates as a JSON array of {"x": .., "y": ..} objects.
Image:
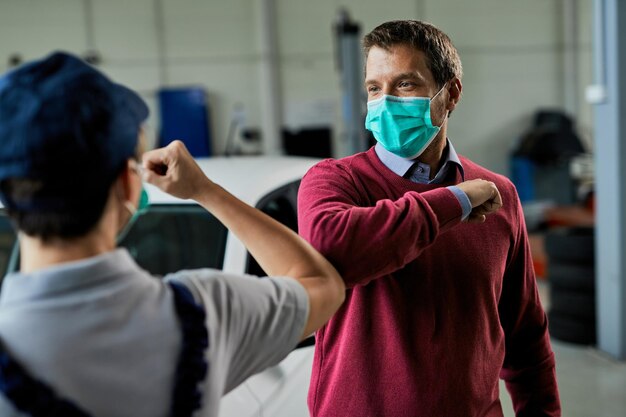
[
  {"x": 142, "y": 207},
  {"x": 402, "y": 125}
]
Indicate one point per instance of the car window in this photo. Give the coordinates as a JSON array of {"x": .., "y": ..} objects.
[
  {"x": 7, "y": 240},
  {"x": 280, "y": 204},
  {"x": 168, "y": 238}
]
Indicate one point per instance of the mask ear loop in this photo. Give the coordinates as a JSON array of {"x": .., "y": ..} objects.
[
  {"x": 447, "y": 111},
  {"x": 131, "y": 209},
  {"x": 126, "y": 228},
  {"x": 129, "y": 206},
  {"x": 437, "y": 93}
]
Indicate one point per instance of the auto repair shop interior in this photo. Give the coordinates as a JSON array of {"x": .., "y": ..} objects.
[{"x": 243, "y": 80}]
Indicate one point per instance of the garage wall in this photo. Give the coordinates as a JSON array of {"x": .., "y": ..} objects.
[{"x": 512, "y": 53}]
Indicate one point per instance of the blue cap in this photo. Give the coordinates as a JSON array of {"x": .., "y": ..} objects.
[{"x": 63, "y": 122}]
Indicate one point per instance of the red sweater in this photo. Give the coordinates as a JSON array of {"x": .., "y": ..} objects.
[{"x": 436, "y": 309}]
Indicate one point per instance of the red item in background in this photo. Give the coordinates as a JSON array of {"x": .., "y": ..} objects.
[{"x": 538, "y": 253}]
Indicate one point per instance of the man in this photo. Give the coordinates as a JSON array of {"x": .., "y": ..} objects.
[
  {"x": 442, "y": 298},
  {"x": 83, "y": 330}
]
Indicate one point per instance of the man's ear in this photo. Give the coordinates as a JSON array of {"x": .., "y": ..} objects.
[
  {"x": 127, "y": 185},
  {"x": 454, "y": 94}
]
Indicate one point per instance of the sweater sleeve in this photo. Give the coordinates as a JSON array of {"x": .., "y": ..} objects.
[
  {"x": 529, "y": 366},
  {"x": 362, "y": 241}
]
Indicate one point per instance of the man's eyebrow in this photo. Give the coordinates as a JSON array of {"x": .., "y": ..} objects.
[
  {"x": 409, "y": 75},
  {"x": 416, "y": 76}
]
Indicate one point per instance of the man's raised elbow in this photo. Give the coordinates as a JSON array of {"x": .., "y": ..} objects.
[{"x": 338, "y": 292}]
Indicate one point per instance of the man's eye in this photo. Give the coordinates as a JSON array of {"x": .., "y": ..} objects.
[
  {"x": 406, "y": 84},
  {"x": 372, "y": 89}
]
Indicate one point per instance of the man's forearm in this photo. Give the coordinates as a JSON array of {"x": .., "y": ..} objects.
[{"x": 365, "y": 243}]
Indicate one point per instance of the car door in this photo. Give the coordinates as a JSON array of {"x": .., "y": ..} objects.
[{"x": 279, "y": 391}]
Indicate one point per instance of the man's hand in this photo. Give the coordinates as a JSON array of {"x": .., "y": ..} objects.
[
  {"x": 174, "y": 171},
  {"x": 484, "y": 197}
]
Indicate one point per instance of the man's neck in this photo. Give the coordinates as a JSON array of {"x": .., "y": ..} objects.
[
  {"x": 433, "y": 155},
  {"x": 37, "y": 254}
]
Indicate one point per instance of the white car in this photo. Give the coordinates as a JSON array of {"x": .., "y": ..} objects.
[{"x": 174, "y": 234}]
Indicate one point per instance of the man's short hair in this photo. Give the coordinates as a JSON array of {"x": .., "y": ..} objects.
[
  {"x": 442, "y": 57},
  {"x": 66, "y": 132}
]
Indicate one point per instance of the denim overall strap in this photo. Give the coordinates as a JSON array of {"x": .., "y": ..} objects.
[
  {"x": 192, "y": 366},
  {"x": 29, "y": 395}
]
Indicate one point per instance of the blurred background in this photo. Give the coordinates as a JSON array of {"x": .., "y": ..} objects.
[
  {"x": 285, "y": 77},
  {"x": 517, "y": 57}
]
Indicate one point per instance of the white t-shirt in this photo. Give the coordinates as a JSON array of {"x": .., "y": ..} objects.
[{"x": 104, "y": 333}]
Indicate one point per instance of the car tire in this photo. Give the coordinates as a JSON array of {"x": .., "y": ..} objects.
[
  {"x": 575, "y": 277},
  {"x": 574, "y": 304},
  {"x": 573, "y": 245},
  {"x": 572, "y": 330}
]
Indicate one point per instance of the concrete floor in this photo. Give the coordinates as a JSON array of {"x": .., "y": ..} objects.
[{"x": 591, "y": 384}]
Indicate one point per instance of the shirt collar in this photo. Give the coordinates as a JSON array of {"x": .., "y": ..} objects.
[{"x": 401, "y": 166}]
